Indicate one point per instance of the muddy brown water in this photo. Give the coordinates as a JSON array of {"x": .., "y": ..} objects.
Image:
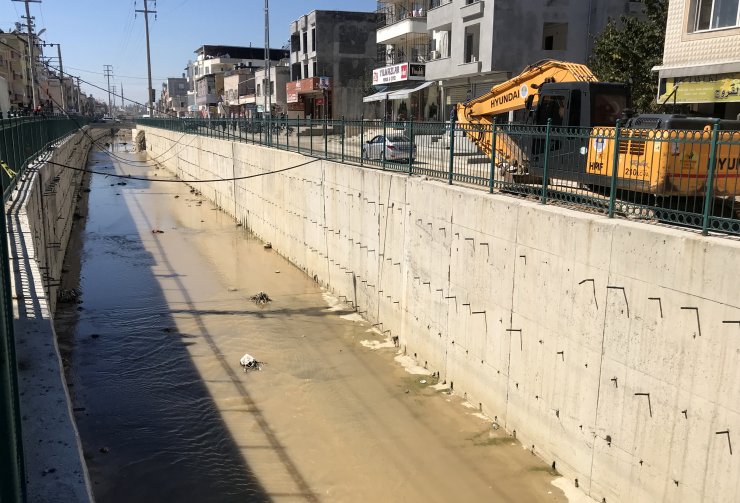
[{"x": 165, "y": 411}]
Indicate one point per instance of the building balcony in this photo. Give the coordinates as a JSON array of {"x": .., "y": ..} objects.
[
  {"x": 440, "y": 13},
  {"x": 394, "y": 32},
  {"x": 472, "y": 9},
  {"x": 398, "y": 19}
]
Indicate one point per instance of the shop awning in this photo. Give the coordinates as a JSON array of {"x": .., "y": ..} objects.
[
  {"x": 376, "y": 97},
  {"x": 405, "y": 93}
]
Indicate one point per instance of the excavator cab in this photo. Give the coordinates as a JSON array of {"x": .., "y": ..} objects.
[{"x": 573, "y": 110}]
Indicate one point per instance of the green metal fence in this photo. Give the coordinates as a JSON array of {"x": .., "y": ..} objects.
[
  {"x": 685, "y": 177},
  {"x": 22, "y": 140}
]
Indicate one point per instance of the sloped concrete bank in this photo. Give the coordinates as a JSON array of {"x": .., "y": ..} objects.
[
  {"x": 40, "y": 217},
  {"x": 611, "y": 348}
]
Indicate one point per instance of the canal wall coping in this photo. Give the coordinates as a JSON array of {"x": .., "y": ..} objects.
[
  {"x": 610, "y": 348},
  {"x": 40, "y": 217}
]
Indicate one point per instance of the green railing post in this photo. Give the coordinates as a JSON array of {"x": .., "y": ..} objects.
[
  {"x": 362, "y": 139},
  {"x": 12, "y": 471},
  {"x": 615, "y": 169},
  {"x": 710, "y": 180},
  {"x": 411, "y": 147},
  {"x": 385, "y": 127},
  {"x": 326, "y": 140},
  {"x": 493, "y": 156},
  {"x": 310, "y": 127},
  {"x": 298, "y": 133},
  {"x": 342, "y": 137},
  {"x": 543, "y": 199},
  {"x": 452, "y": 150}
]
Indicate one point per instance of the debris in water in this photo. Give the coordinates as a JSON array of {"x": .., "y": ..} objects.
[
  {"x": 68, "y": 296},
  {"x": 260, "y": 299},
  {"x": 104, "y": 450},
  {"x": 277, "y": 272},
  {"x": 267, "y": 246},
  {"x": 423, "y": 381},
  {"x": 249, "y": 362},
  {"x": 176, "y": 197},
  {"x": 121, "y": 183},
  {"x": 157, "y": 231}
]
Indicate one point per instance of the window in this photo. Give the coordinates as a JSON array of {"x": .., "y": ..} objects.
[
  {"x": 305, "y": 41},
  {"x": 472, "y": 38},
  {"x": 259, "y": 89},
  {"x": 715, "y": 14},
  {"x": 551, "y": 107},
  {"x": 272, "y": 88},
  {"x": 315, "y": 69},
  {"x": 305, "y": 71},
  {"x": 555, "y": 36},
  {"x": 313, "y": 39}
]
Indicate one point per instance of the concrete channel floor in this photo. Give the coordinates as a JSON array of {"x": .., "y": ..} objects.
[{"x": 332, "y": 416}]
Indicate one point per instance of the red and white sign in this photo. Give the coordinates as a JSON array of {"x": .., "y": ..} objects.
[{"x": 388, "y": 74}]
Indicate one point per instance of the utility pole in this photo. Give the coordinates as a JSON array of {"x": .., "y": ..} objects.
[
  {"x": 108, "y": 69},
  {"x": 268, "y": 85},
  {"x": 61, "y": 75},
  {"x": 123, "y": 103},
  {"x": 146, "y": 13},
  {"x": 29, "y": 26},
  {"x": 113, "y": 112}
]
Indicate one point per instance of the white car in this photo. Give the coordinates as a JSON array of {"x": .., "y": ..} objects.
[{"x": 392, "y": 147}]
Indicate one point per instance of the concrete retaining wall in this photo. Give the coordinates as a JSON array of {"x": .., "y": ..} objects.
[
  {"x": 609, "y": 347},
  {"x": 40, "y": 217}
]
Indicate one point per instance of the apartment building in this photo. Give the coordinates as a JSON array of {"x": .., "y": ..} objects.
[
  {"x": 239, "y": 90},
  {"x": 205, "y": 75},
  {"x": 436, "y": 53},
  {"x": 701, "y": 57},
  {"x": 276, "y": 99},
  {"x": 14, "y": 68},
  {"x": 174, "y": 98},
  {"x": 332, "y": 55}
]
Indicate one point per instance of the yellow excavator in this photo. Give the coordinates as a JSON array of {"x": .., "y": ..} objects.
[{"x": 660, "y": 154}]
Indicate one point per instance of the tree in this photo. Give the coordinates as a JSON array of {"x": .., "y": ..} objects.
[{"x": 628, "y": 49}]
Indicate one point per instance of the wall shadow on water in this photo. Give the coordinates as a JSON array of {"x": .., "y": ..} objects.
[{"x": 149, "y": 426}]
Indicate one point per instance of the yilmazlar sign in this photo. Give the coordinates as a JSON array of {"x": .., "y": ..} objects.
[{"x": 724, "y": 88}]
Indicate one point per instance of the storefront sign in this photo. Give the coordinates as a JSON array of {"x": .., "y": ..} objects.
[
  {"x": 721, "y": 88},
  {"x": 306, "y": 86},
  {"x": 417, "y": 71},
  {"x": 296, "y": 107},
  {"x": 399, "y": 73}
]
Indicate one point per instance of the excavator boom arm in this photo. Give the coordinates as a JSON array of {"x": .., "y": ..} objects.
[{"x": 512, "y": 94}]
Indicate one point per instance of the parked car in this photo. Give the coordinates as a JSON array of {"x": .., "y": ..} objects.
[{"x": 392, "y": 147}]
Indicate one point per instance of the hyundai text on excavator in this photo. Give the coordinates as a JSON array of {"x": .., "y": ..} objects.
[{"x": 659, "y": 154}]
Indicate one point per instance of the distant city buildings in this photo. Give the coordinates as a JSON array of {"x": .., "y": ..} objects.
[
  {"x": 15, "y": 68},
  {"x": 416, "y": 59}
]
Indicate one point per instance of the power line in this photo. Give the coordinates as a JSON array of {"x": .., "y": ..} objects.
[{"x": 170, "y": 180}]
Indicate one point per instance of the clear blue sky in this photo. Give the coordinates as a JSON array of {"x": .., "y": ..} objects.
[{"x": 93, "y": 33}]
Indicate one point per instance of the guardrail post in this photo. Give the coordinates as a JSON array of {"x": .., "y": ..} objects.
[
  {"x": 362, "y": 139},
  {"x": 298, "y": 133},
  {"x": 385, "y": 127},
  {"x": 343, "y": 125},
  {"x": 310, "y": 136},
  {"x": 326, "y": 139},
  {"x": 411, "y": 147},
  {"x": 710, "y": 180},
  {"x": 452, "y": 150},
  {"x": 615, "y": 169},
  {"x": 493, "y": 156},
  {"x": 543, "y": 199}
]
